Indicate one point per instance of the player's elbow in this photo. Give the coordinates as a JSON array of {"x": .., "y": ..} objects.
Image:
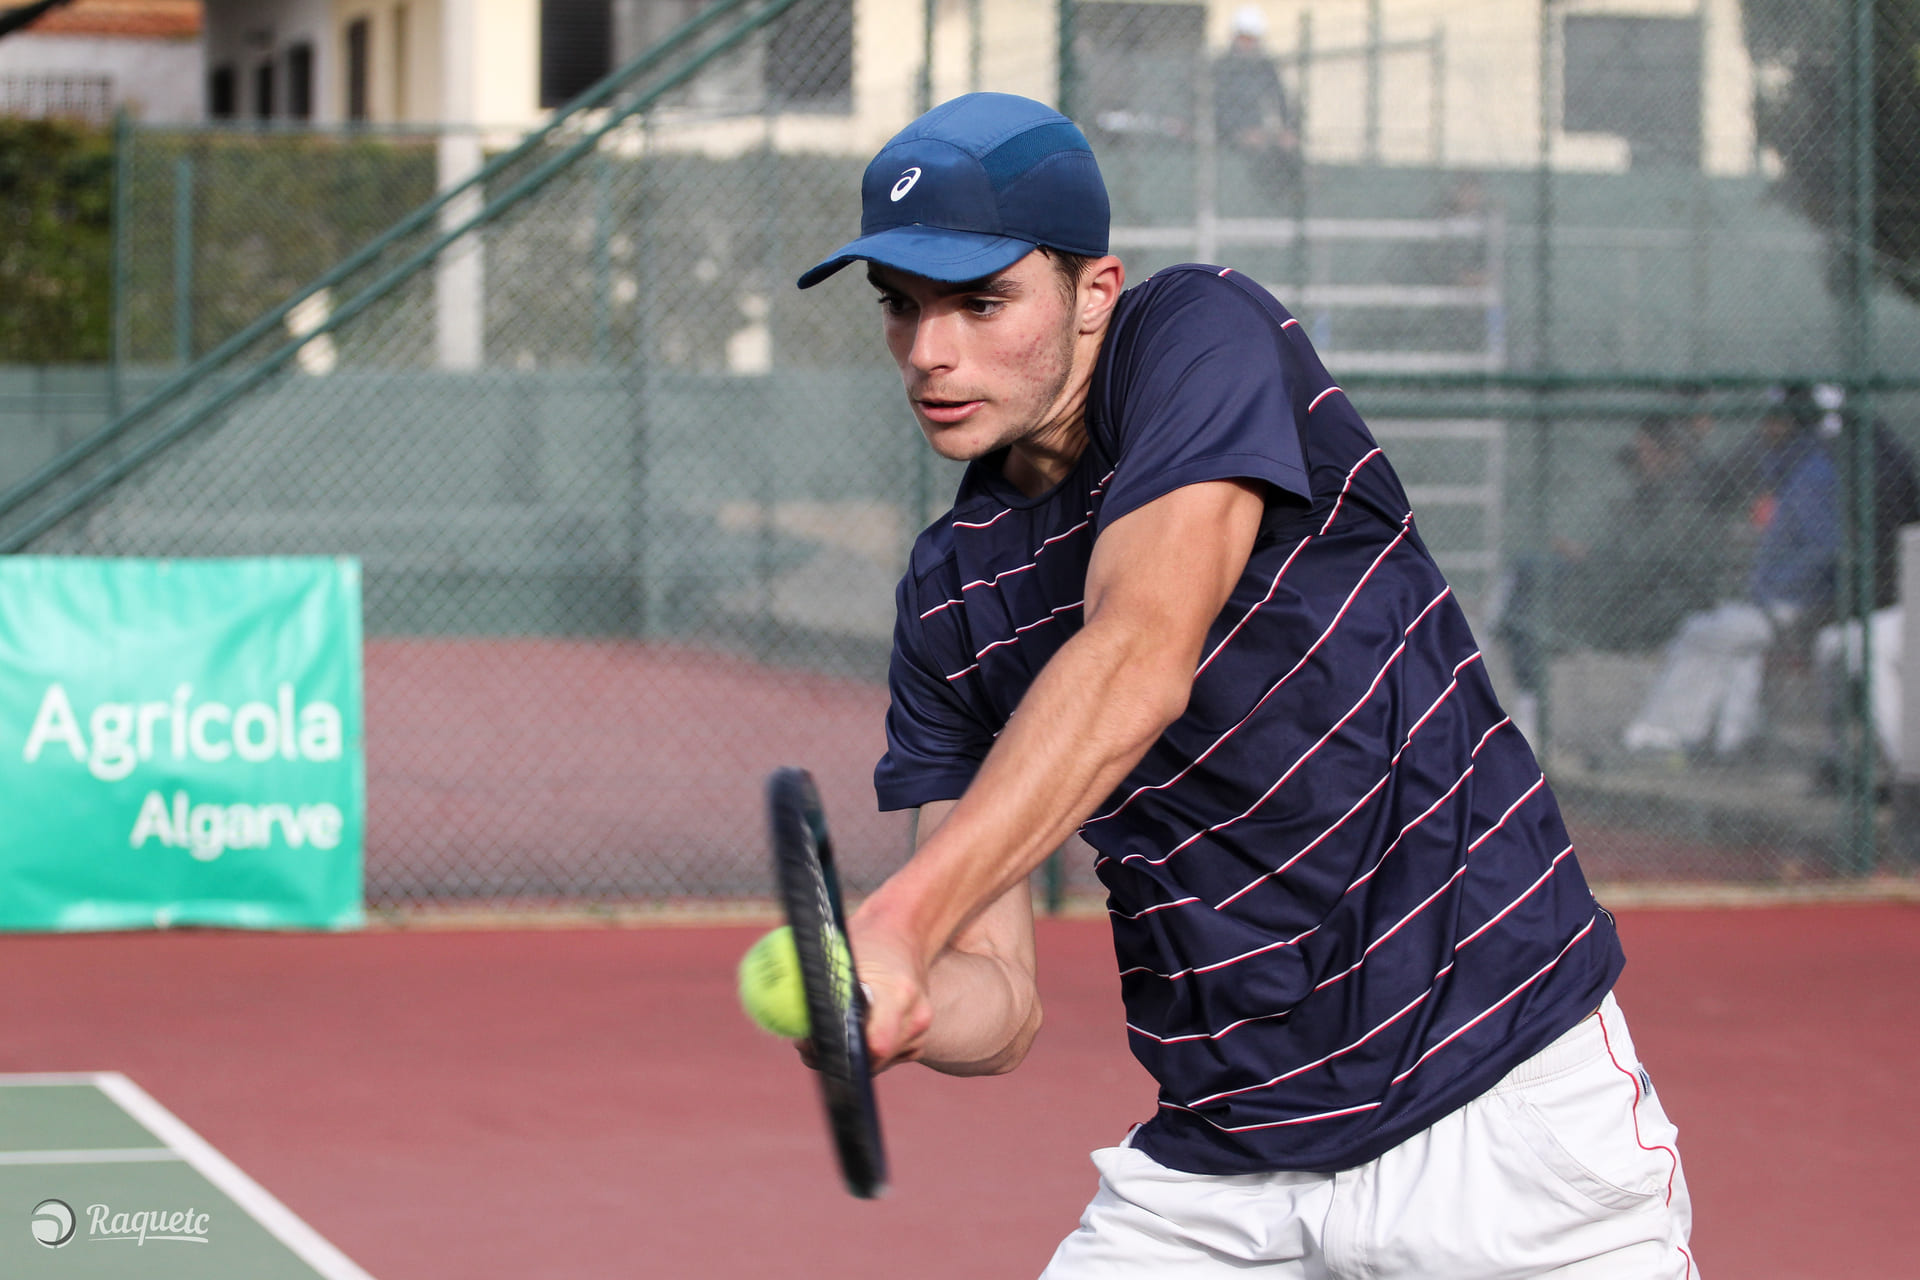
[
  {"x": 1008, "y": 1056},
  {"x": 1022, "y": 1042}
]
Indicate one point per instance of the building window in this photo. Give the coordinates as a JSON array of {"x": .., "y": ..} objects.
[
  {"x": 222, "y": 95},
  {"x": 576, "y": 48},
  {"x": 357, "y": 55},
  {"x": 638, "y": 25},
  {"x": 810, "y": 56},
  {"x": 803, "y": 59},
  {"x": 300, "y": 81},
  {"x": 1638, "y": 79},
  {"x": 263, "y": 91}
]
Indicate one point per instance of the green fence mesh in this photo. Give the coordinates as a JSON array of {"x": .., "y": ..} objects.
[{"x": 631, "y": 507}]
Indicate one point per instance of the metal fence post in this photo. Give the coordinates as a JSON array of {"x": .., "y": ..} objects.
[
  {"x": 1054, "y": 875},
  {"x": 644, "y": 612},
  {"x": 1542, "y": 461},
  {"x": 976, "y": 22},
  {"x": 1372, "y": 147},
  {"x": 929, "y": 12},
  {"x": 1068, "y": 69},
  {"x": 1297, "y": 250},
  {"x": 1437, "y": 69},
  {"x": 1206, "y": 160},
  {"x": 117, "y": 263},
  {"x": 183, "y": 260},
  {"x": 602, "y": 260},
  {"x": 1858, "y": 852}
]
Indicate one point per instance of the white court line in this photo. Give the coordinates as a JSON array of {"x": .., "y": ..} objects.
[
  {"x": 32, "y": 1079},
  {"x": 99, "y": 1155},
  {"x": 280, "y": 1222}
]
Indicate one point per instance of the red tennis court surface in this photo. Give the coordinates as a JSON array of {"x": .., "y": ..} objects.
[{"x": 590, "y": 1104}]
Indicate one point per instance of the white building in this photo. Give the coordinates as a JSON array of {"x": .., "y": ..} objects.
[
  {"x": 1418, "y": 82},
  {"x": 90, "y": 58}
]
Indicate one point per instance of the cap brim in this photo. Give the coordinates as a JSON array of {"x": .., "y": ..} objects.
[{"x": 950, "y": 257}]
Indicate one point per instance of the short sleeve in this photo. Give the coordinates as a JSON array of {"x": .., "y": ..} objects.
[
  {"x": 935, "y": 743},
  {"x": 1197, "y": 386}
]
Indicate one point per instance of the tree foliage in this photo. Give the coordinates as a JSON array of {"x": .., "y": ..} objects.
[
  {"x": 1803, "y": 51},
  {"x": 269, "y": 211},
  {"x": 56, "y": 208}
]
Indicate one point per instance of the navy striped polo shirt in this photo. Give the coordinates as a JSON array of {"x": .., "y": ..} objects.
[{"x": 1343, "y": 900}]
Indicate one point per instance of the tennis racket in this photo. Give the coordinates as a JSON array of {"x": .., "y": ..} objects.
[{"x": 836, "y": 1007}]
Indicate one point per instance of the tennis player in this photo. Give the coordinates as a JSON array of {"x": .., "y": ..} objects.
[{"x": 1182, "y": 607}]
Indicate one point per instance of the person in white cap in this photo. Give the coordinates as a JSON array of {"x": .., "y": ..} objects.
[{"x": 1251, "y": 111}]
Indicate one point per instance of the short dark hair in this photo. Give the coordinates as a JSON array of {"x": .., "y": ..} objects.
[
  {"x": 1664, "y": 430},
  {"x": 1070, "y": 267},
  {"x": 1794, "y": 401}
]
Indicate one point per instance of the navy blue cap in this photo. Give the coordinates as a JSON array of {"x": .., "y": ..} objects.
[{"x": 972, "y": 187}]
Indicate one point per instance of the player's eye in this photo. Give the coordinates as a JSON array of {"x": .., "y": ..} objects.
[
  {"x": 893, "y": 304},
  {"x": 985, "y": 306}
]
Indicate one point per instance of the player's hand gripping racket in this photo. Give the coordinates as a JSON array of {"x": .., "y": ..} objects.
[{"x": 836, "y": 1007}]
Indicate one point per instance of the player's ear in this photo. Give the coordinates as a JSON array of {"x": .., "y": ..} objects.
[{"x": 1099, "y": 290}]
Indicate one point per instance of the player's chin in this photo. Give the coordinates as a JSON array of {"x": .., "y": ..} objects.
[{"x": 961, "y": 441}]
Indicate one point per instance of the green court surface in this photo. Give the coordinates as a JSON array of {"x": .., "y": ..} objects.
[{"x": 100, "y": 1182}]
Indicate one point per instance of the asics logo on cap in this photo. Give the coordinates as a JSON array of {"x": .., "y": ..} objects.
[{"x": 905, "y": 184}]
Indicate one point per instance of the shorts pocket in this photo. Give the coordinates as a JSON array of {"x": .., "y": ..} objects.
[{"x": 1598, "y": 1131}]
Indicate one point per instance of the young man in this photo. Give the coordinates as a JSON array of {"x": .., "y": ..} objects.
[{"x": 1180, "y": 606}]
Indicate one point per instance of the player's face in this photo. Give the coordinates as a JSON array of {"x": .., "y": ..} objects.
[{"x": 990, "y": 363}]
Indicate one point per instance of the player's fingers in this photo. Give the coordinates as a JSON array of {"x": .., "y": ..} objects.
[
  {"x": 884, "y": 1039},
  {"x": 895, "y": 987},
  {"x": 897, "y": 1027},
  {"x": 883, "y": 1023}
]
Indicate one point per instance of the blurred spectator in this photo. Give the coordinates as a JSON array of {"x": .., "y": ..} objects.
[
  {"x": 1707, "y": 695},
  {"x": 1460, "y": 259},
  {"x": 1251, "y": 111},
  {"x": 1661, "y": 560},
  {"x": 1730, "y": 477},
  {"x": 1896, "y": 503}
]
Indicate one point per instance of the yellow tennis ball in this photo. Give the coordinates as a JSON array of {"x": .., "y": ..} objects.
[{"x": 771, "y": 989}]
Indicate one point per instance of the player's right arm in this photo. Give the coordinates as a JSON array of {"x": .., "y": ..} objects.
[{"x": 983, "y": 998}]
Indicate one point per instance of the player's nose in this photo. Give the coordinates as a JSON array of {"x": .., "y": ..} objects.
[{"x": 934, "y": 349}]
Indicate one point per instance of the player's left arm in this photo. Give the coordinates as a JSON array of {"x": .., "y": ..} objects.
[
  {"x": 983, "y": 988},
  {"x": 1158, "y": 577}
]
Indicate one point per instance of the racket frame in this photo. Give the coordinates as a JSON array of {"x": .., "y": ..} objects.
[{"x": 810, "y": 898}]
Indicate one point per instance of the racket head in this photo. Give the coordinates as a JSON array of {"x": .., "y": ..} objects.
[{"x": 836, "y": 1007}]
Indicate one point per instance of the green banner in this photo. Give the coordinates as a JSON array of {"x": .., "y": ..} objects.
[{"x": 180, "y": 743}]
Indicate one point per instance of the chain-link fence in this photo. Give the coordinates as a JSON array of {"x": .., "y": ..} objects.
[{"x": 631, "y": 507}]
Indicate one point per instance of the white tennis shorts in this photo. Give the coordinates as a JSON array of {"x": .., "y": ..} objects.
[{"x": 1567, "y": 1167}]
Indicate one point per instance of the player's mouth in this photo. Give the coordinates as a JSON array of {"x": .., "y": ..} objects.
[{"x": 948, "y": 412}]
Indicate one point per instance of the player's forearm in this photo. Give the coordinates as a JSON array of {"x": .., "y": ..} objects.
[
  {"x": 985, "y": 1015},
  {"x": 1100, "y": 702}
]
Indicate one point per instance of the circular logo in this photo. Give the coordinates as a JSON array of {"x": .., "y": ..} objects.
[
  {"x": 52, "y": 1223},
  {"x": 905, "y": 184}
]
